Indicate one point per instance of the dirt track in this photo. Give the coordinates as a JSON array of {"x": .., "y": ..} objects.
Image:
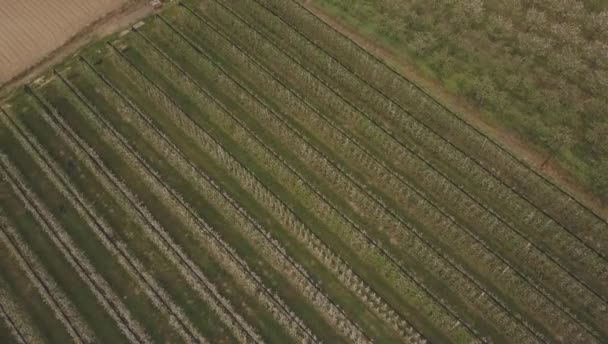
[
  {"x": 532, "y": 155},
  {"x": 31, "y": 29},
  {"x": 34, "y": 36}
]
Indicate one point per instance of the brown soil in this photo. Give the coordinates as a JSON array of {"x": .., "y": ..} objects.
[
  {"x": 534, "y": 156},
  {"x": 123, "y": 14}
]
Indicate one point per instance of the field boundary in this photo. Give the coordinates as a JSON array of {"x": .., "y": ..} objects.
[
  {"x": 449, "y": 217},
  {"x": 585, "y": 200},
  {"x": 123, "y": 16}
]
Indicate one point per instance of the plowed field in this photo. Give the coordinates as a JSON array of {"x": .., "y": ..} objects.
[{"x": 31, "y": 29}]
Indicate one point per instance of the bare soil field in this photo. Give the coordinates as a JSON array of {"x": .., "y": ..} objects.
[{"x": 32, "y": 29}]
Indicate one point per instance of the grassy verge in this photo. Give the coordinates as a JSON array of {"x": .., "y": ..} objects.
[
  {"x": 218, "y": 222},
  {"x": 15, "y": 282},
  {"x": 185, "y": 237},
  {"x": 263, "y": 172},
  {"x": 275, "y": 227},
  {"x": 56, "y": 264},
  {"x": 393, "y": 193}
]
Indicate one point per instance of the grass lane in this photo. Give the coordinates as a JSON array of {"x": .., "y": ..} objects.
[
  {"x": 270, "y": 222},
  {"x": 103, "y": 326},
  {"x": 103, "y": 257},
  {"x": 218, "y": 222},
  {"x": 17, "y": 320},
  {"x": 573, "y": 286},
  {"x": 562, "y": 242},
  {"x": 389, "y": 192},
  {"x": 49, "y": 328},
  {"x": 112, "y": 108},
  {"x": 244, "y": 155},
  {"x": 169, "y": 274}
]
